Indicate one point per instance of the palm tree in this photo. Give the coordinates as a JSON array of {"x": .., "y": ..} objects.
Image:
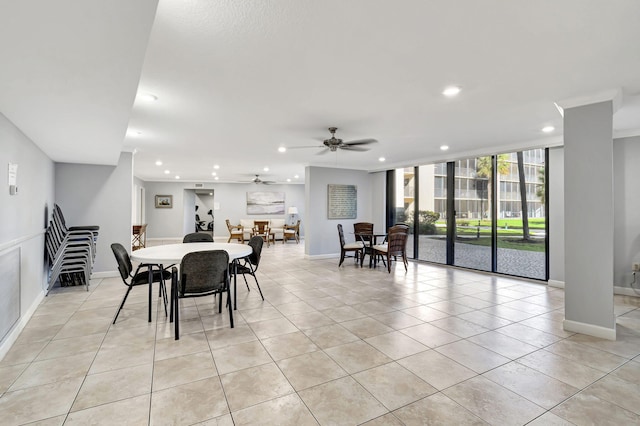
[
  {"x": 523, "y": 197},
  {"x": 483, "y": 170}
]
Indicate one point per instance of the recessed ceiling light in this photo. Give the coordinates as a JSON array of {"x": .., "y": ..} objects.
[
  {"x": 213, "y": 173},
  {"x": 166, "y": 172},
  {"x": 216, "y": 178},
  {"x": 211, "y": 193},
  {"x": 451, "y": 91},
  {"x": 444, "y": 147},
  {"x": 282, "y": 149},
  {"x": 296, "y": 176},
  {"x": 177, "y": 177},
  {"x": 381, "y": 159},
  {"x": 266, "y": 169},
  {"x": 158, "y": 163},
  {"x": 548, "y": 129},
  {"x": 215, "y": 166},
  {"x": 288, "y": 180},
  {"x": 148, "y": 97}
]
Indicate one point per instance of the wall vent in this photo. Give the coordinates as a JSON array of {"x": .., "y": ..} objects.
[{"x": 199, "y": 185}]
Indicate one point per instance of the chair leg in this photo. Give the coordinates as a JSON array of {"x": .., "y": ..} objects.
[
  {"x": 341, "y": 258},
  {"x": 230, "y": 307},
  {"x": 253, "y": 273},
  {"x": 177, "y": 314},
  {"x": 122, "y": 304},
  {"x": 388, "y": 262},
  {"x": 245, "y": 282}
]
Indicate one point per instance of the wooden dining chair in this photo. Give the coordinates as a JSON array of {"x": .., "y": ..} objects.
[
  {"x": 236, "y": 232},
  {"x": 357, "y": 247},
  {"x": 394, "y": 246}
]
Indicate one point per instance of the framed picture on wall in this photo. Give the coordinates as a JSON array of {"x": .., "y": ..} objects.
[{"x": 164, "y": 201}]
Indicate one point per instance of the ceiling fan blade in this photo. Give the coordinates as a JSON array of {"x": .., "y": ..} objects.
[
  {"x": 353, "y": 148},
  {"x": 361, "y": 142},
  {"x": 324, "y": 151},
  {"x": 307, "y": 146},
  {"x": 268, "y": 182}
]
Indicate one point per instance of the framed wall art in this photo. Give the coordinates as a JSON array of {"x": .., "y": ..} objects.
[
  {"x": 342, "y": 201},
  {"x": 164, "y": 201},
  {"x": 262, "y": 202}
]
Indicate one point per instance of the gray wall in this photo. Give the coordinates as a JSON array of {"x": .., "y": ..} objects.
[
  {"x": 588, "y": 180},
  {"x": 556, "y": 214},
  {"x": 322, "y": 236},
  {"x": 98, "y": 195},
  {"x": 626, "y": 196},
  {"x": 232, "y": 197},
  {"x": 23, "y": 217}
]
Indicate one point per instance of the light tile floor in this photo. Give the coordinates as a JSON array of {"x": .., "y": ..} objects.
[{"x": 328, "y": 346}]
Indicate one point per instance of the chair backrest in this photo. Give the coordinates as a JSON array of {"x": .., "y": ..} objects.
[
  {"x": 197, "y": 237},
  {"x": 124, "y": 262},
  {"x": 363, "y": 228},
  {"x": 229, "y": 226},
  {"x": 256, "y": 244},
  {"x": 341, "y": 235},
  {"x": 397, "y": 240},
  {"x": 203, "y": 272},
  {"x": 401, "y": 225},
  {"x": 261, "y": 226}
]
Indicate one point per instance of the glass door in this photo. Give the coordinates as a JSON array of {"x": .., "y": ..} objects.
[
  {"x": 472, "y": 234},
  {"x": 521, "y": 224},
  {"x": 432, "y": 213}
]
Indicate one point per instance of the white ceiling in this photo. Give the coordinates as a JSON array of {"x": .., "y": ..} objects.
[{"x": 237, "y": 79}]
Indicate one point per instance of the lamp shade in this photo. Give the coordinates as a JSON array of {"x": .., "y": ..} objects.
[{"x": 293, "y": 210}]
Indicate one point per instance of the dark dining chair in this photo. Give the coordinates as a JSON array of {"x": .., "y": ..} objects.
[
  {"x": 249, "y": 264},
  {"x": 364, "y": 232},
  {"x": 357, "y": 247},
  {"x": 394, "y": 246},
  {"x": 198, "y": 237},
  {"x": 202, "y": 273},
  {"x": 140, "y": 277}
]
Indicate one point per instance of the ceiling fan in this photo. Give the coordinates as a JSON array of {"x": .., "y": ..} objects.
[
  {"x": 333, "y": 144},
  {"x": 258, "y": 181}
]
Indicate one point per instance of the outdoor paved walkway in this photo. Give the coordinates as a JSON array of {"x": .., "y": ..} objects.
[{"x": 523, "y": 263}]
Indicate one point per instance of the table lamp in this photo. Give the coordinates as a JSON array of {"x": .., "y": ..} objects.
[{"x": 292, "y": 212}]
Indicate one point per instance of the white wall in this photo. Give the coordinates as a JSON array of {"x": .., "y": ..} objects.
[
  {"x": 232, "y": 198},
  {"x": 556, "y": 214},
  {"x": 24, "y": 217},
  {"x": 321, "y": 237},
  {"x": 626, "y": 237},
  {"x": 98, "y": 195}
]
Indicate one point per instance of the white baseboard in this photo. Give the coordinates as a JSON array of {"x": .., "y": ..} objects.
[
  {"x": 589, "y": 329},
  {"x": 555, "y": 283},
  {"x": 321, "y": 256},
  {"x": 17, "y": 329},
  {"x": 104, "y": 274},
  {"x": 626, "y": 291}
]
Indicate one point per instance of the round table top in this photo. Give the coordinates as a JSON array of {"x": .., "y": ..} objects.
[{"x": 173, "y": 253}]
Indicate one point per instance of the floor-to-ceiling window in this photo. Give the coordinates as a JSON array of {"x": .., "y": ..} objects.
[
  {"x": 432, "y": 213},
  {"x": 485, "y": 213},
  {"x": 521, "y": 224}
]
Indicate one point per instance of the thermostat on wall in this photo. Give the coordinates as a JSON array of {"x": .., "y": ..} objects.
[{"x": 13, "y": 178}]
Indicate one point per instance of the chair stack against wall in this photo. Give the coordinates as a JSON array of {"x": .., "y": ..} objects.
[{"x": 71, "y": 251}]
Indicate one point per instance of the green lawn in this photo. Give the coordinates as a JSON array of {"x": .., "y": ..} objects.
[{"x": 537, "y": 223}]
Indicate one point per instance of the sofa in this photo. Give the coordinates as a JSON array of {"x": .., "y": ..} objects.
[{"x": 275, "y": 225}]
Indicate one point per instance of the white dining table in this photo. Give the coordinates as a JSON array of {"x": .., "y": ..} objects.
[{"x": 173, "y": 253}]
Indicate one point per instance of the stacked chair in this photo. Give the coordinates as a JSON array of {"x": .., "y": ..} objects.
[{"x": 70, "y": 251}]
